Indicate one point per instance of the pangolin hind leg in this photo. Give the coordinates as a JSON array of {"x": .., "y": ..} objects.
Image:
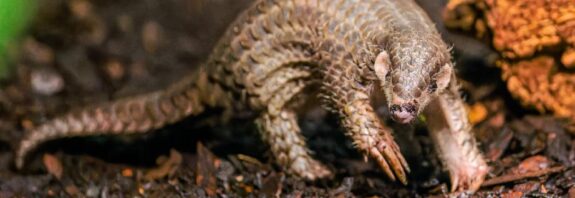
[
  {"x": 279, "y": 129},
  {"x": 451, "y": 133},
  {"x": 288, "y": 146}
]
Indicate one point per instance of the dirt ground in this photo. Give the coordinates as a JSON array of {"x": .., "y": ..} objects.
[{"x": 80, "y": 52}]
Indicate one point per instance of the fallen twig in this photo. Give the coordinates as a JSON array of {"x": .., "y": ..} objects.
[{"x": 516, "y": 177}]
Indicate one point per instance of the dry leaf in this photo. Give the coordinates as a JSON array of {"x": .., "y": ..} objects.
[
  {"x": 53, "y": 165},
  {"x": 166, "y": 168}
]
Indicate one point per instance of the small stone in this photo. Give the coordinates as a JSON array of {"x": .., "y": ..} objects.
[
  {"x": 38, "y": 52},
  {"x": 72, "y": 190},
  {"x": 80, "y": 8},
  {"x": 151, "y": 36},
  {"x": 115, "y": 69},
  {"x": 497, "y": 121},
  {"x": 92, "y": 191},
  {"x": 125, "y": 23},
  {"x": 27, "y": 124},
  {"x": 572, "y": 192},
  {"x": 46, "y": 82},
  {"x": 127, "y": 172}
]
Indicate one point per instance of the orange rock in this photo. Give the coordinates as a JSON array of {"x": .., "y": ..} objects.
[
  {"x": 537, "y": 83},
  {"x": 520, "y": 28},
  {"x": 527, "y": 33}
]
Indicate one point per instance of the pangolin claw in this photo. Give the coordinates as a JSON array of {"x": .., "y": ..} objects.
[
  {"x": 391, "y": 161},
  {"x": 468, "y": 179}
]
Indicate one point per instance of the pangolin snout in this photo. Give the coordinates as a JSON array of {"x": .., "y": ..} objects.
[{"x": 403, "y": 113}]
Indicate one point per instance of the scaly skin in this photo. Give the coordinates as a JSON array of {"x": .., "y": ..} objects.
[{"x": 279, "y": 47}]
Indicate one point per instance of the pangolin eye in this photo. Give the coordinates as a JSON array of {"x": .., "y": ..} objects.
[{"x": 432, "y": 87}]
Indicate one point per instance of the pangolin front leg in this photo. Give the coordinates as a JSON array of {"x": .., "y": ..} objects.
[
  {"x": 351, "y": 100},
  {"x": 372, "y": 137},
  {"x": 454, "y": 141}
]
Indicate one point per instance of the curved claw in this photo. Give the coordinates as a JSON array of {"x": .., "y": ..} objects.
[
  {"x": 382, "y": 163},
  {"x": 386, "y": 154},
  {"x": 396, "y": 164},
  {"x": 402, "y": 160},
  {"x": 467, "y": 178}
]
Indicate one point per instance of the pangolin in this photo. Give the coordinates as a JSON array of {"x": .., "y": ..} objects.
[{"x": 348, "y": 49}]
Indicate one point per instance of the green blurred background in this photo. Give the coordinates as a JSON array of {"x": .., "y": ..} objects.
[{"x": 14, "y": 15}]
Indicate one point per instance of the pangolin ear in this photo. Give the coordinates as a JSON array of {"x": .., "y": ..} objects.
[
  {"x": 443, "y": 77},
  {"x": 382, "y": 65}
]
